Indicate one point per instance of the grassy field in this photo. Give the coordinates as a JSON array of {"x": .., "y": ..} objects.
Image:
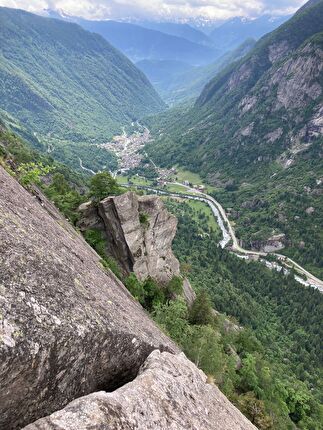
[
  {"x": 185, "y": 175},
  {"x": 137, "y": 180},
  {"x": 203, "y": 208},
  {"x": 176, "y": 188},
  {"x": 202, "y": 212},
  {"x": 194, "y": 178}
]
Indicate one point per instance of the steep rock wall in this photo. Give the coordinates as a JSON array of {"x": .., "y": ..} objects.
[
  {"x": 67, "y": 328},
  {"x": 139, "y": 233}
]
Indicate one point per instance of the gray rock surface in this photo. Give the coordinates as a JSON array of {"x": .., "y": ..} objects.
[
  {"x": 139, "y": 233},
  {"x": 144, "y": 248},
  {"x": 169, "y": 393},
  {"x": 67, "y": 327},
  {"x": 188, "y": 293},
  {"x": 274, "y": 243},
  {"x": 297, "y": 79}
]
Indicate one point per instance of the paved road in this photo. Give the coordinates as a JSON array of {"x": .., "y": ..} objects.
[
  {"x": 229, "y": 233},
  {"x": 85, "y": 168}
]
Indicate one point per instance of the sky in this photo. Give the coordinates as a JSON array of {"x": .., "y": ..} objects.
[{"x": 160, "y": 9}]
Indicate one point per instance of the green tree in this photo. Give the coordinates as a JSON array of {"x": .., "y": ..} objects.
[
  {"x": 175, "y": 286},
  {"x": 135, "y": 287},
  {"x": 60, "y": 184},
  {"x": 172, "y": 317},
  {"x": 298, "y": 402},
  {"x": 201, "y": 312},
  {"x": 31, "y": 173},
  {"x": 203, "y": 347},
  {"x": 103, "y": 185},
  {"x": 154, "y": 294},
  {"x": 254, "y": 409},
  {"x": 248, "y": 373}
]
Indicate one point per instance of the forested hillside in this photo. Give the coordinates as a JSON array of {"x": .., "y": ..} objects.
[
  {"x": 281, "y": 373},
  {"x": 66, "y": 84},
  {"x": 256, "y": 134}
]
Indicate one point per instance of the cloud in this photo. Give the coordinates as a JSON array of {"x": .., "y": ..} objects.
[{"x": 160, "y": 9}]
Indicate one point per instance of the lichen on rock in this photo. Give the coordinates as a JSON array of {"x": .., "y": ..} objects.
[
  {"x": 169, "y": 392},
  {"x": 66, "y": 325}
]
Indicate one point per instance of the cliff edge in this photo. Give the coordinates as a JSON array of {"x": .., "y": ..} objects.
[
  {"x": 70, "y": 329},
  {"x": 139, "y": 232}
]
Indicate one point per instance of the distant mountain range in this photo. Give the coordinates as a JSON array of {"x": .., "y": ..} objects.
[
  {"x": 180, "y": 30},
  {"x": 178, "y": 58},
  {"x": 177, "y": 82},
  {"x": 179, "y": 42},
  {"x": 234, "y": 31}
]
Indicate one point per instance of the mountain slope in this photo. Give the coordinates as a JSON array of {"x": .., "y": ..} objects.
[
  {"x": 256, "y": 132},
  {"x": 140, "y": 43},
  {"x": 230, "y": 34},
  {"x": 65, "y": 83},
  {"x": 179, "y": 30},
  {"x": 177, "y": 82}
]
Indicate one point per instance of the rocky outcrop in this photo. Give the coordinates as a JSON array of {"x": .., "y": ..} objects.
[
  {"x": 297, "y": 79},
  {"x": 67, "y": 327},
  {"x": 139, "y": 233},
  {"x": 168, "y": 393},
  {"x": 274, "y": 243}
]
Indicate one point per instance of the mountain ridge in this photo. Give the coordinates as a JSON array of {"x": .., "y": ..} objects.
[
  {"x": 140, "y": 43},
  {"x": 67, "y": 84},
  {"x": 252, "y": 125}
]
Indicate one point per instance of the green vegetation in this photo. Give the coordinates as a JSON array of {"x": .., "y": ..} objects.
[
  {"x": 96, "y": 240},
  {"x": 66, "y": 198},
  {"x": 262, "y": 161},
  {"x": 136, "y": 180},
  {"x": 185, "y": 175},
  {"x": 202, "y": 213},
  {"x": 31, "y": 173},
  {"x": 150, "y": 294},
  {"x": 174, "y": 188},
  {"x": 182, "y": 85},
  {"x": 103, "y": 185},
  {"x": 144, "y": 219},
  {"x": 272, "y": 368},
  {"x": 69, "y": 86},
  {"x": 63, "y": 186}
]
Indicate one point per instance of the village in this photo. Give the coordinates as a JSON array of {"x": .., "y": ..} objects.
[
  {"x": 130, "y": 154},
  {"x": 127, "y": 149}
]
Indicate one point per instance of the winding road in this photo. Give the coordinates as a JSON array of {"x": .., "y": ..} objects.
[
  {"x": 85, "y": 168},
  {"x": 229, "y": 235}
]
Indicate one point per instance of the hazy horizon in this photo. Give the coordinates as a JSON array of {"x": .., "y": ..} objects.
[{"x": 171, "y": 10}]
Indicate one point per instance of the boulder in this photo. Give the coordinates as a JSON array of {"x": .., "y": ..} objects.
[
  {"x": 169, "y": 392},
  {"x": 67, "y": 326}
]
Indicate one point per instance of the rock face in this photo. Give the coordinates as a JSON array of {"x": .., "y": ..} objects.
[
  {"x": 67, "y": 327},
  {"x": 139, "y": 233},
  {"x": 272, "y": 244},
  {"x": 168, "y": 393}
]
